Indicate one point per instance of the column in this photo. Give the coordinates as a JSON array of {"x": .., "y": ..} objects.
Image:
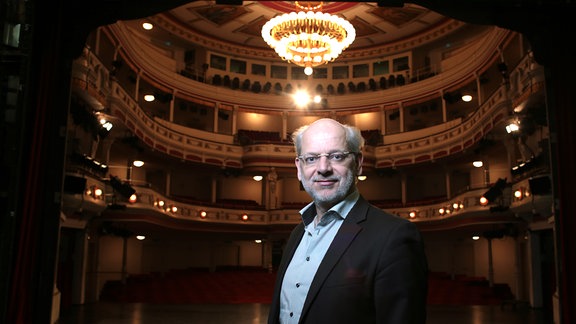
[
  {"x": 490, "y": 263},
  {"x": 444, "y": 116}
]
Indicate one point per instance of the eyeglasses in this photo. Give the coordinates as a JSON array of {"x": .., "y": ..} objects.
[{"x": 334, "y": 157}]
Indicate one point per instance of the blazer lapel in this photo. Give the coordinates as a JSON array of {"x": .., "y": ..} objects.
[{"x": 342, "y": 240}]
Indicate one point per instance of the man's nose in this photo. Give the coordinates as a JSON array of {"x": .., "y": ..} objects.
[{"x": 323, "y": 165}]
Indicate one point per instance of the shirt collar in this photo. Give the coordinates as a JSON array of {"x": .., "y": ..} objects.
[{"x": 342, "y": 208}]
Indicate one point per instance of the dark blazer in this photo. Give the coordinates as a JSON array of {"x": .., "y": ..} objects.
[{"x": 375, "y": 271}]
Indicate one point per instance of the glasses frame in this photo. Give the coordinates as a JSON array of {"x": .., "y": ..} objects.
[{"x": 327, "y": 155}]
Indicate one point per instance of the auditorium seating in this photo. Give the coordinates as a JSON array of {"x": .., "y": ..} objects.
[{"x": 234, "y": 285}]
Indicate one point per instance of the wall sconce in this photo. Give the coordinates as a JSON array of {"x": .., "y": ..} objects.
[
  {"x": 478, "y": 164},
  {"x": 174, "y": 209},
  {"x": 257, "y": 178},
  {"x": 106, "y": 124},
  {"x": 361, "y": 177},
  {"x": 466, "y": 97},
  {"x": 133, "y": 198},
  {"x": 138, "y": 163},
  {"x": 94, "y": 192},
  {"x": 441, "y": 211},
  {"x": 518, "y": 194},
  {"x": 412, "y": 214},
  {"x": 245, "y": 217},
  {"x": 513, "y": 127},
  {"x": 483, "y": 201},
  {"x": 159, "y": 203},
  {"x": 140, "y": 237},
  {"x": 202, "y": 214},
  {"x": 149, "y": 97}
]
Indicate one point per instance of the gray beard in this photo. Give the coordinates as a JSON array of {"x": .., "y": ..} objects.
[{"x": 329, "y": 200}]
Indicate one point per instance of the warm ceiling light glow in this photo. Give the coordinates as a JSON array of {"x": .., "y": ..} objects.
[
  {"x": 518, "y": 193},
  {"x": 147, "y": 26},
  {"x": 244, "y": 217},
  {"x": 258, "y": 241},
  {"x": 483, "y": 201},
  {"x": 138, "y": 163},
  {"x": 310, "y": 37},
  {"x": 477, "y": 164},
  {"x": 466, "y": 98},
  {"x": 317, "y": 99},
  {"x": 149, "y": 97},
  {"x": 203, "y": 214},
  {"x": 174, "y": 209},
  {"x": 475, "y": 237},
  {"x": 257, "y": 178},
  {"x": 361, "y": 177},
  {"x": 301, "y": 98},
  {"x": 140, "y": 237},
  {"x": 412, "y": 214}
]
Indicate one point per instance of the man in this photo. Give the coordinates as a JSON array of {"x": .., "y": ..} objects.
[{"x": 348, "y": 261}]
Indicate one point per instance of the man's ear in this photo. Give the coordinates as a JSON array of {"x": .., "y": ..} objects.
[
  {"x": 359, "y": 161},
  {"x": 297, "y": 162}
]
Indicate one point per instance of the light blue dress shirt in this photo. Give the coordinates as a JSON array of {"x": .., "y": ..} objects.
[{"x": 308, "y": 255}]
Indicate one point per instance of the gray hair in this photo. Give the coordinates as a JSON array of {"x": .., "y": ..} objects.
[{"x": 354, "y": 139}]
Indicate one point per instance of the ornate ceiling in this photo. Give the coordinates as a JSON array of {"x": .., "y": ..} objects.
[
  {"x": 241, "y": 24},
  {"x": 380, "y": 30}
]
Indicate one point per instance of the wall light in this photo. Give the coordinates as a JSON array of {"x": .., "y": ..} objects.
[
  {"x": 147, "y": 26},
  {"x": 140, "y": 237},
  {"x": 257, "y": 178},
  {"x": 412, "y": 214},
  {"x": 202, "y": 214},
  {"x": 149, "y": 97},
  {"x": 94, "y": 192},
  {"x": 477, "y": 164},
  {"x": 133, "y": 198},
  {"x": 245, "y": 217},
  {"x": 513, "y": 127},
  {"x": 138, "y": 163},
  {"x": 106, "y": 124},
  {"x": 466, "y": 97},
  {"x": 361, "y": 177},
  {"x": 476, "y": 237}
]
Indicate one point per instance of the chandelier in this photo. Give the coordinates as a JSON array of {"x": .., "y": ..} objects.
[{"x": 310, "y": 37}]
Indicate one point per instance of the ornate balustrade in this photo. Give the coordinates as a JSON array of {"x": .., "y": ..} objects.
[{"x": 160, "y": 209}]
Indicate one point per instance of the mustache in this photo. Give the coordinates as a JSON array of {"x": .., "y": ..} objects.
[{"x": 320, "y": 178}]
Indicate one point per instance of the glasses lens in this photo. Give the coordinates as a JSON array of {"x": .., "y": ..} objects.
[{"x": 334, "y": 157}]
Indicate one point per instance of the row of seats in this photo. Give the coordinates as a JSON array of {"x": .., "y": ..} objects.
[{"x": 341, "y": 88}]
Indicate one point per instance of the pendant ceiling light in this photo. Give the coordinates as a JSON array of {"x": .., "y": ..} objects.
[{"x": 309, "y": 37}]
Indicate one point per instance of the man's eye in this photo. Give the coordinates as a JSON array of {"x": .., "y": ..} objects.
[
  {"x": 336, "y": 156},
  {"x": 310, "y": 159}
]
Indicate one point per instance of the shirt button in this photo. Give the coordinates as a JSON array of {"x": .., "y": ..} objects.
[
  {"x": 307, "y": 258},
  {"x": 291, "y": 314},
  {"x": 297, "y": 285}
]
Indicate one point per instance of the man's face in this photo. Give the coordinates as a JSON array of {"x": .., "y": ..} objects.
[{"x": 327, "y": 182}]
